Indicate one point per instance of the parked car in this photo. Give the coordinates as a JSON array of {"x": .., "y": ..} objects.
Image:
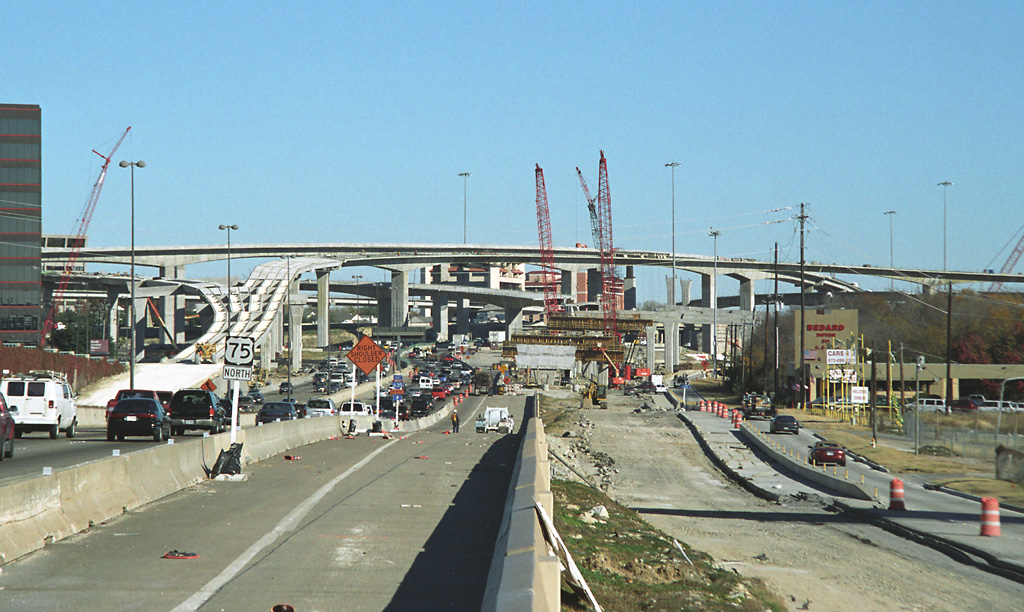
[
  {"x": 828, "y": 452},
  {"x": 197, "y": 409},
  {"x": 784, "y": 424},
  {"x": 41, "y": 401},
  {"x": 138, "y": 417},
  {"x": 272, "y": 412},
  {"x": 318, "y": 407},
  {"x": 6, "y": 430}
]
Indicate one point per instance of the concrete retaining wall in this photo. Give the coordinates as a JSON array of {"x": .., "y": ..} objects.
[
  {"x": 523, "y": 576},
  {"x": 44, "y": 509},
  {"x": 805, "y": 470}
]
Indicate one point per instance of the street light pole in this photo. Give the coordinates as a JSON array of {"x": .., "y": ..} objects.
[
  {"x": 229, "y": 228},
  {"x": 234, "y": 383},
  {"x": 949, "y": 302},
  {"x": 890, "y": 213},
  {"x": 714, "y": 306},
  {"x": 131, "y": 306},
  {"x": 672, "y": 294},
  {"x": 465, "y": 181}
]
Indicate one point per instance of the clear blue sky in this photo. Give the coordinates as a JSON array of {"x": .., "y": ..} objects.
[{"x": 350, "y": 121}]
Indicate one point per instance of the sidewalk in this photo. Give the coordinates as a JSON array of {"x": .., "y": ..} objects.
[{"x": 947, "y": 522}]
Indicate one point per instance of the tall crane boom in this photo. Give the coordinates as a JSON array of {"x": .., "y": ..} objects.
[
  {"x": 1010, "y": 263},
  {"x": 79, "y": 239},
  {"x": 547, "y": 249},
  {"x": 591, "y": 207},
  {"x": 609, "y": 282}
]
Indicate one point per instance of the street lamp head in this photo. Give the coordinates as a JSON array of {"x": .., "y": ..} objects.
[
  {"x": 224, "y": 227},
  {"x": 124, "y": 163},
  {"x": 465, "y": 174},
  {"x": 673, "y": 165},
  {"x": 945, "y": 184}
]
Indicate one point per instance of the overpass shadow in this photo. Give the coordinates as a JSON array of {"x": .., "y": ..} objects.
[{"x": 450, "y": 573}]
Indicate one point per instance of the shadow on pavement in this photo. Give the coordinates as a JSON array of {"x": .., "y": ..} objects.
[{"x": 450, "y": 573}]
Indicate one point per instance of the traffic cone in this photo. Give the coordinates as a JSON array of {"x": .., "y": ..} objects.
[
  {"x": 896, "y": 495},
  {"x": 990, "y": 517}
]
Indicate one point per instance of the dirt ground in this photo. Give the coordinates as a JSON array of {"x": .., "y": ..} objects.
[{"x": 814, "y": 559}]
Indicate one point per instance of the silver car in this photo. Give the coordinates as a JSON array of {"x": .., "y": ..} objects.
[{"x": 318, "y": 407}]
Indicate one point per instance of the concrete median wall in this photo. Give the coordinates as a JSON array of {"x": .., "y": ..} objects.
[
  {"x": 805, "y": 470},
  {"x": 523, "y": 576}
]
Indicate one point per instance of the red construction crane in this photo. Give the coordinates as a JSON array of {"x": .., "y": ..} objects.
[
  {"x": 547, "y": 249},
  {"x": 1010, "y": 263},
  {"x": 79, "y": 240},
  {"x": 610, "y": 286}
]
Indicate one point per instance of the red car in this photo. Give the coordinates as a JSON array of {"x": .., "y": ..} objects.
[
  {"x": 6, "y": 430},
  {"x": 438, "y": 393},
  {"x": 828, "y": 452}
]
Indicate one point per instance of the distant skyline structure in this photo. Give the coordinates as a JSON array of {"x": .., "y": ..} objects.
[{"x": 21, "y": 223}]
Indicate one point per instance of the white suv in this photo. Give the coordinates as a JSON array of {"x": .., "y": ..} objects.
[{"x": 41, "y": 401}]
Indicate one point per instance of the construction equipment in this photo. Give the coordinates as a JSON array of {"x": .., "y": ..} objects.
[
  {"x": 547, "y": 251},
  {"x": 1010, "y": 263},
  {"x": 206, "y": 351},
  {"x": 79, "y": 240},
  {"x": 260, "y": 376},
  {"x": 601, "y": 225}
]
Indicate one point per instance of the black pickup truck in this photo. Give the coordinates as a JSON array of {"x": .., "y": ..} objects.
[{"x": 197, "y": 409}]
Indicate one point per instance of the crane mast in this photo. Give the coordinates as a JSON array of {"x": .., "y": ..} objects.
[
  {"x": 79, "y": 240},
  {"x": 547, "y": 249}
]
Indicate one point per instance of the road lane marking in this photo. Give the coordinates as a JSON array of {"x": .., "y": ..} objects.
[{"x": 286, "y": 524}]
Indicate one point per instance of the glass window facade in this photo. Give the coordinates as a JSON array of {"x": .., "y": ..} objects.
[{"x": 21, "y": 308}]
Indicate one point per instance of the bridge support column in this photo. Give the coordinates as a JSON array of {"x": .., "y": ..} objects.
[
  {"x": 296, "y": 307},
  {"x": 439, "y": 315},
  {"x": 671, "y": 346},
  {"x": 514, "y": 319},
  {"x": 629, "y": 290},
  {"x": 567, "y": 286},
  {"x": 594, "y": 285},
  {"x": 323, "y": 307},
  {"x": 708, "y": 294},
  {"x": 652, "y": 335},
  {"x": 462, "y": 317},
  {"x": 399, "y": 298},
  {"x": 684, "y": 292},
  {"x": 172, "y": 307},
  {"x": 139, "y": 327},
  {"x": 276, "y": 334},
  {"x": 747, "y": 295},
  {"x": 114, "y": 318}
]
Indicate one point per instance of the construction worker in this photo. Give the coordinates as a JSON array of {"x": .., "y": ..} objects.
[{"x": 455, "y": 421}]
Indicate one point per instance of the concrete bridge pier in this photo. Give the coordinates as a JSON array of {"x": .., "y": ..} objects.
[
  {"x": 296, "y": 307},
  {"x": 462, "y": 317},
  {"x": 113, "y": 317},
  {"x": 514, "y": 319},
  {"x": 629, "y": 290},
  {"x": 323, "y": 306},
  {"x": 671, "y": 346},
  {"x": 439, "y": 315},
  {"x": 652, "y": 335},
  {"x": 139, "y": 326},
  {"x": 172, "y": 307},
  {"x": 708, "y": 299}
]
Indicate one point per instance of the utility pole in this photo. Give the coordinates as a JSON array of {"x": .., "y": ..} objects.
[
  {"x": 949, "y": 303},
  {"x": 890, "y": 213},
  {"x": 803, "y": 326},
  {"x": 714, "y": 306},
  {"x": 776, "y": 299},
  {"x": 874, "y": 395},
  {"x": 672, "y": 294}
]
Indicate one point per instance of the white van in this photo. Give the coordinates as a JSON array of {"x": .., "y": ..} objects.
[
  {"x": 426, "y": 382},
  {"x": 41, "y": 401}
]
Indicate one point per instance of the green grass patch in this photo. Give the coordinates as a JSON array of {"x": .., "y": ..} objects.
[{"x": 633, "y": 567}]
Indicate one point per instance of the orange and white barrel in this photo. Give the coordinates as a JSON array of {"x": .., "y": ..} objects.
[{"x": 990, "y": 517}]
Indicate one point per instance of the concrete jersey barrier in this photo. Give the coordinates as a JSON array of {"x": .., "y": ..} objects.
[{"x": 523, "y": 576}]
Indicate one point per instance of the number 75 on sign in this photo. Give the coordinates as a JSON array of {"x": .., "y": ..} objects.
[{"x": 239, "y": 351}]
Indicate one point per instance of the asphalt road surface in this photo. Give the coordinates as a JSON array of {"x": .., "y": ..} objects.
[{"x": 361, "y": 524}]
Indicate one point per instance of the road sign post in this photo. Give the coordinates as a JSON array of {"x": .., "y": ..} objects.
[
  {"x": 367, "y": 355},
  {"x": 239, "y": 353}
]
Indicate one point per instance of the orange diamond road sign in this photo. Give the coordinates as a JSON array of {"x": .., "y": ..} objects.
[{"x": 366, "y": 355}]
